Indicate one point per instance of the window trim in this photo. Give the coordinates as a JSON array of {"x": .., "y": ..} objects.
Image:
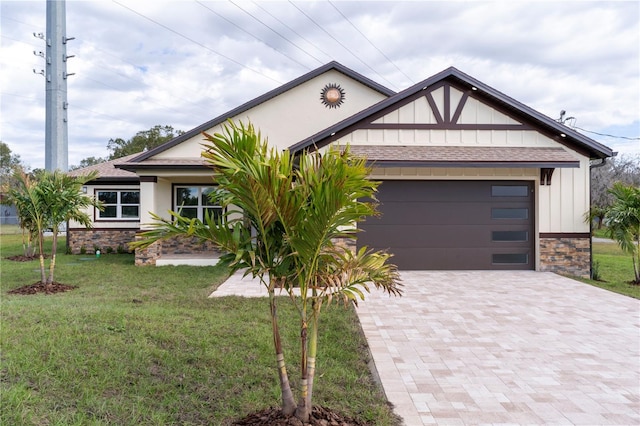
[{"x": 118, "y": 204}]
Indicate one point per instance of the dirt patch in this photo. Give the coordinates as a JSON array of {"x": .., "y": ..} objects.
[
  {"x": 23, "y": 258},
  {"x": 42, "y": 288},
  {"x": 320, "y": 416}
]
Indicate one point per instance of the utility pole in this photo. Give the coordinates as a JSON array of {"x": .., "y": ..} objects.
[{"x": 56, "y": 134}]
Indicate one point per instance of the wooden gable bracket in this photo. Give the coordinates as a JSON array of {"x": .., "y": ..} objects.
[{"x": 545, "y": 176}]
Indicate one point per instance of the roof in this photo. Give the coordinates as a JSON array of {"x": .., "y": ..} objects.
[
  {"x": 108, "y": 170},
  {"x": 263, "y": 98},
  {"x": 491, "y": 96},
  {"x": 166, "y": 163},
  {"x": 465, "y": 156}
]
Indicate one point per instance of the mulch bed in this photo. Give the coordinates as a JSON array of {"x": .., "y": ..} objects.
[
  {"x": 23, "y": 258},
  {"x": 320, "y": 416},
  {"x": 42, "y": 288}
]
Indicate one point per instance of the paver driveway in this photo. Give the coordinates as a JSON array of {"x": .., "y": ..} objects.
[
  {"x": 480, "y": 347},
  {"x": 506, "y": 347}
]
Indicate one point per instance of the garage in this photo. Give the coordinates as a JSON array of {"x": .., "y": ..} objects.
[{"x": 454, "y": 225}]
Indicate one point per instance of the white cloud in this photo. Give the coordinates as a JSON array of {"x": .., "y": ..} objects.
[{"x": 183, "y": 69}]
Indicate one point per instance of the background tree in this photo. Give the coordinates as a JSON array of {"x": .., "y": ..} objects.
[
  {"x": 89, "y": 161},
  {"x": 625, "y": 169},
  {"x": 622, "y": 219},
  {"x": 141, "y": 141},
  {"x": 293, "y": 214},
  {"x": 9, "y": 164}
]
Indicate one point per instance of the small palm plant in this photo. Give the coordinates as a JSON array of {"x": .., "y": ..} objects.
[
  {"x": 46, "y": 202},
  {"x": 284, "y": 219},
  {"x": 623, "y": 222}
]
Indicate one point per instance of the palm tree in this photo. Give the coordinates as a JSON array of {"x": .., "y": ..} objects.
[
  {"x": 283, "y": 222},
  {"x": 623, "y": 221},
  {"x": 31, "y": 212},
  {"x": 48, "y": 201},
  {"x": 61, "y": 197}
]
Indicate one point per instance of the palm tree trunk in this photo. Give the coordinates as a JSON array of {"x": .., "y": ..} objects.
[
  {"x": 288, "y": 402},
  {"x": 311, "y": 358},
  {"x": 636, "y": 262},
  {"x": 43, "y": 275},
  {"x": 52, "y": 264},
  {"x": 303, "y": 411}
]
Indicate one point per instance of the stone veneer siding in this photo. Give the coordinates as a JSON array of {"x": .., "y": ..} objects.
[
  {"x": 178, "y": 245},
  {"x": 106, "y": 240},
  {"x": 566, "y": 255}
]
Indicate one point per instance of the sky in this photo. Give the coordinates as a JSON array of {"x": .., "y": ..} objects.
[{"x": 143, "y": 63}]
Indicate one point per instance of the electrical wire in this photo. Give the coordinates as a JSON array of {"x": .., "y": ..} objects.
[
  {"x": 284, "y": 24},
  {"x": 341, "y": 44},
  {"x": 247, "y": 32},
  {"x": 370, "y": 42},
  {"x": 197, "y": 43},
  {"x": 608, "y": 135},
  {"x": 275, "y": 32}
]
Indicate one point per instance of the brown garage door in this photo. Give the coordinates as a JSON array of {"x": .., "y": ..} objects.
[{"x": 448, "y": 225}]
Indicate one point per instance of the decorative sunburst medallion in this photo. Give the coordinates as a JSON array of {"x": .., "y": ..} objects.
[{"x": 332, "y": 96}]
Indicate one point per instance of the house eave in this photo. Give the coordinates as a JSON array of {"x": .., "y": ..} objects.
[{"x": 472, "y": 164}]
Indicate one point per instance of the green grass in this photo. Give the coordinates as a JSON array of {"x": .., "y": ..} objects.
[
  {"x": 600, "y": 233},
  {"x": 616, "y": 270},
  {"x": 145, "y": 346}
]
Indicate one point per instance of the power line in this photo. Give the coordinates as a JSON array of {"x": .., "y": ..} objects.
[
  {"x": 607, "y": 135},
  {"x": 247, "y": 32},
  {"x": 292, "y": 30},
  {"x": 196, "y": 42},
  {"x": 341, "y": 44},
  {"x": 370, "y": 42},
  {"x": 275, "y": 32}
]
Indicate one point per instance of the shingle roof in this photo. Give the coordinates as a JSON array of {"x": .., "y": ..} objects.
[
  {"x": 108, "y": 171},
  {"x": 476, "y": 156},
  {"x": 164, "y": 163}
]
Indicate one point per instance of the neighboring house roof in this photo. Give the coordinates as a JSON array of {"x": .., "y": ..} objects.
[
  {"x": 480, "y": 91},
  {"x": 263, "y": 98},
  {"x": 107, "y": 171},
  {"x": 464, "y": 156}
]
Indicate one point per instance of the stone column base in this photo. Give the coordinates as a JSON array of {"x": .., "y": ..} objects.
[{"x": 568, "y": 254}]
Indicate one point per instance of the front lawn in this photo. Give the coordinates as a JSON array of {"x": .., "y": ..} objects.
[
  {"x": 615, "y": 269},
  {"x": 134, "y": 346}
]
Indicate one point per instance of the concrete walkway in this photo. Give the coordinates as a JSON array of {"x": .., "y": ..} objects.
[{"x": 480, "y": 347}]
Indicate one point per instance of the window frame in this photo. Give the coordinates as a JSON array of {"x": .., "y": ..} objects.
[
  {"x": 200, "y": 207},
  {"x": 118, "y": 204}
]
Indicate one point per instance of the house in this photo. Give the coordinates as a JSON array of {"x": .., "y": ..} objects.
[{"x": 471, "y": 178}]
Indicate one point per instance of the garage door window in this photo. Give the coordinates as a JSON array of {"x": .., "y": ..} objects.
[
  {"x": 510, "y": 258},
  {"x": 509, "y": 191},
  {"x": 509, "y": 236},
  {"x": 502, "y": 213}
]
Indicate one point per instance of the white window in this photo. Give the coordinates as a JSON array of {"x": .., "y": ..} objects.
[
  {"x": 119, "y": 205},
  {"x": 194, "y": 200}
]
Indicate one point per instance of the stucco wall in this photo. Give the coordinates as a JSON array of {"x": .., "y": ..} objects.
[
  {"x": 108, "y": 223},
  {"x": 293, "y": 115}
]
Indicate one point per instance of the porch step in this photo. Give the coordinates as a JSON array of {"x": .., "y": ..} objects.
[{"x": 189, "y": 260}]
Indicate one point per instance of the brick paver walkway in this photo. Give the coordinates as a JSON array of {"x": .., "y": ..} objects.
[{"x": 480, "y": 347}]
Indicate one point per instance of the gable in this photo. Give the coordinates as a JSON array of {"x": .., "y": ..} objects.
[
  {"x": 444, "y": 107},
  {"x": 452, "y": 108},
  {"x": 287, "y": 113}
]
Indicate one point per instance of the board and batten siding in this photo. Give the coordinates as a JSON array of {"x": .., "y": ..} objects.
[{"x": 560, "y": 206}]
